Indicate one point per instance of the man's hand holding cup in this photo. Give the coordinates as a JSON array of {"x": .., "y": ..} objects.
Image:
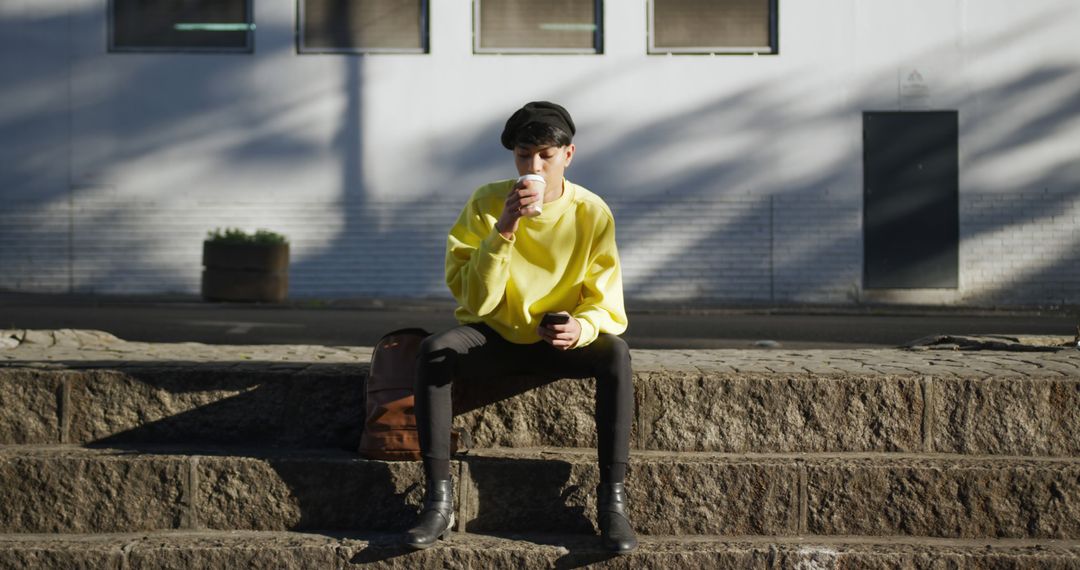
[{"x": 525, "y": 199}]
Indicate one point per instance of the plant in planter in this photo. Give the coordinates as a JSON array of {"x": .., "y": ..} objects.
[{"x": 245, "y": 267}]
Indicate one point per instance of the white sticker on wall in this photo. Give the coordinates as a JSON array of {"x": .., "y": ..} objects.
[{"x": 914, "y": 90}]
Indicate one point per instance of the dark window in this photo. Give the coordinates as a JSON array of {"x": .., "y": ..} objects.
[
  {"x": 712, "y": 26},
  {"x": 537, "y": 26},
  {"x": 363, "y": 26},
  {"x": 180, "y": 25}
]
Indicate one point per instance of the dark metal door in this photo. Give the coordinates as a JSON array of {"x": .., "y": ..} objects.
[{"x": 910, "y": 200}]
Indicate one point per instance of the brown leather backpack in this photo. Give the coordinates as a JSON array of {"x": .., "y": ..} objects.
[{"x": 390, "y": 428}]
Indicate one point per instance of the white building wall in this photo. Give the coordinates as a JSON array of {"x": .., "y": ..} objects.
[
  {"x": 733, "y": 178},
  {"x": 1020, "y": 155}
]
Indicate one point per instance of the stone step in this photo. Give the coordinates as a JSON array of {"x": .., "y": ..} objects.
[
  {"x": 286, "y": 550},
  {"x": 183, "y": 402},
  {"x": 71, "y": 489},
  {"x": 685, "y": 400}
]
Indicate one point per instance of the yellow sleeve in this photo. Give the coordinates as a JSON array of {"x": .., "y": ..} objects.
[
  {"x": 601, "y": 306},
  {"x": 477, "y": 261}
]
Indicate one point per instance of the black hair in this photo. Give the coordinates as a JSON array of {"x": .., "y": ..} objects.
[{"x": 541, "y": 134}]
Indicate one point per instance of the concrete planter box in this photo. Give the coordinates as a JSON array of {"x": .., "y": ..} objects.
[{"x": 245, "y": 272}]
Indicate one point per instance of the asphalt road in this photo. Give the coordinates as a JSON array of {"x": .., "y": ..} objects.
[{"x": 364, "y": 322}]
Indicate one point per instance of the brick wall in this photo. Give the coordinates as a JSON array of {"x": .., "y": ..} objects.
[
  {"x": 817, "y": 247},
  {"x": 35, "y": 251},
  {"x": 742, "y": 248},
  {"x": 1021, "y": 247},
  {"x": 378, "y": 248},
  {"x": 694, "y": 248},
  {"x": 1016, "y": 248}
]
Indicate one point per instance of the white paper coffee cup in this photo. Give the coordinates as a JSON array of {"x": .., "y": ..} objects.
[{"x": 538, "y": 183}]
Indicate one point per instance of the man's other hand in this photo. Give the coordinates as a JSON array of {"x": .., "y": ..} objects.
[{"x": 562, "y": 337}]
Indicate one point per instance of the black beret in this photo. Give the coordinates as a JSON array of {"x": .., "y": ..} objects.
[{"x": 536, "y": 112}]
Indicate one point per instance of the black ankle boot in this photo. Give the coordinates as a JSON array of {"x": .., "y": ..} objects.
[
  {"x": 616, "y": 534},
  {"x": 436, "y": 517}
]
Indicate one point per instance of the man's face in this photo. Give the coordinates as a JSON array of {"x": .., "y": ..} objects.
[{"x": 547, "y": 161}]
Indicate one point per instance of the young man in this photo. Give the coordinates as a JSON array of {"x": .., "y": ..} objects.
[{"x": 509, "y": 266}]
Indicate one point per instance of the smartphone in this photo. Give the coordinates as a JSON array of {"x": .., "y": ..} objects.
[{"x": 554, "y": 319}]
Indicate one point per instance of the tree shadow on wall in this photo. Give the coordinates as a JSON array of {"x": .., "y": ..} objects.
[{"x": 758, "y": 113}]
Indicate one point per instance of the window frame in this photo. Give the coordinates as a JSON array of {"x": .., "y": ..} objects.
[
  {"x": 425, "y": 37},
  {"x": 598, "y": 37},
  {"x": 111, "y": 47},
  {"x": 772, "y": 49}
]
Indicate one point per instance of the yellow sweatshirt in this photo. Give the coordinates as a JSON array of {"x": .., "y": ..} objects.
[{"x": 561, "y": 260}]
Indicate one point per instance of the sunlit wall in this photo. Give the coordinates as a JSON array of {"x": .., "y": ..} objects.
[{"x": 733, "y": 178}]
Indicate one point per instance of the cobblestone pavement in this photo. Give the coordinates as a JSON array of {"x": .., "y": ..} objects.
[{"x": 1031, "y": 357}]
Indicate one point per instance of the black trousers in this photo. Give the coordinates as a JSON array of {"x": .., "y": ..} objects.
[{"x": 476, "y": 351}]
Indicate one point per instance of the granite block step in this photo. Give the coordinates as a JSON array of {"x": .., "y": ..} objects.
[
  {"x": 287, "y": 550},
  {"x": 677, "y": 409},
  {"x": 183, "y": 403},
  {"x": 79, "y": 490}
]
